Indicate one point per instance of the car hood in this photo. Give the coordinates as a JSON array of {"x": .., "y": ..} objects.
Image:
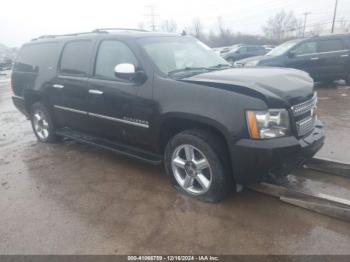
[{"x": 278, "y": 87}]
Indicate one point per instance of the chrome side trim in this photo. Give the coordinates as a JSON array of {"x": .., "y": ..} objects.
[
  {"x": 18, "y": 97},
  {"x": 58, "y": 86},
  {"x": 103, "y": 117},
  {"x": 330, "y": 52},
  {"x": 71, "y": 109},
  {"x": 95, "y": 92},
  {"x": 119, "y": 120}
]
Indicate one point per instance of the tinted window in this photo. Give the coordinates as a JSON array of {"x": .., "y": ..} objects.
[
  {"x": 36, "y": 57},
  {"x": 110, "y": 54},
  {"x": 76, "y": 58},
  {"x": 306, "y": 48},
  {"x": 242, "y": 50},
  {"x": 254, "y": 48},
  {"x": 330, "y": 45}
]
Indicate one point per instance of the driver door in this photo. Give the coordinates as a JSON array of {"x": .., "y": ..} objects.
[
  {"x": 305, "y": 58},
  {"x": 112, "y": 99}
]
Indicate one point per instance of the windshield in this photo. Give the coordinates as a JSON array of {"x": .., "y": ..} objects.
[
  {"x": 234, "y": 49},
  {"x": 281, "y": 49},
  {"x": 181, "y": 54}
]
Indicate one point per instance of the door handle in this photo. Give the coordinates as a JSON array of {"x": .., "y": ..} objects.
[
  {"x": 344, "y": 55},
  {"x": 95, "y": 92},
  {"x": 58, "y": 86},
  {"x": 314, "y": 58}
]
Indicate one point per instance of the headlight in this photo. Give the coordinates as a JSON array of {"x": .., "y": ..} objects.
[
  {"x": 268, "y": 124},
  {"x": 252, "y": 63}
]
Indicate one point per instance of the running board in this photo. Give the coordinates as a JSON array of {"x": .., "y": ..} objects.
[
  {"x": 329, "y": 166},
  {"x": 317, "y": 202},
  {"x": 120, "y": 149}
]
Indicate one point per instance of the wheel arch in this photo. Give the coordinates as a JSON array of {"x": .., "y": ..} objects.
[
  {"x": 31, "y": 97},
  {"x": 174, "y": 123}
]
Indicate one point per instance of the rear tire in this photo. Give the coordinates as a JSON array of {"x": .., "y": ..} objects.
[
  {"x": 198, "y": 165},
  {"x": 42, "y": 123}
]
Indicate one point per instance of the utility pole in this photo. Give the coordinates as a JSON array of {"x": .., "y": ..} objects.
[
  {"x": 305, "y": 14},
  {"x": 152, "y": 16},
  {"x": 334, "y": 15}
]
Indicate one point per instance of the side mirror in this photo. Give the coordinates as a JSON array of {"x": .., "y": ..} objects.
[
  {"x": 128, "y": 72},
  {"x": 125, "y": 71}
]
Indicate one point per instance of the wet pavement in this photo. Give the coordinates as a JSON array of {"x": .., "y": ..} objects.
[
  {"x": 334, "y": 111},
  {"x": 70, "y": 198}
]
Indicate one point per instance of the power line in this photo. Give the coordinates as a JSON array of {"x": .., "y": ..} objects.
[
  {"x": 152, "y": 16},
  {"x": 305, "y": 14},
  {"x": 319, "y": 24}
]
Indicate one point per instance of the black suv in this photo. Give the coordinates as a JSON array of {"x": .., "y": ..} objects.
[
  {"x": 162, "y": 97},
  {"x": 243, "y": 51},
  {"x": 325, "y": 58}
]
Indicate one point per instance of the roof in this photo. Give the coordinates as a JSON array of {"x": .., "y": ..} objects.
[
  {"x": 320, "y": 36},
  {"x": 135, "y": 33}
]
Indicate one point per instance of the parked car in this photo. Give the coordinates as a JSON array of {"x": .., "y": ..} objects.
[
  {"x": 243, "y": 51},
  {"x": 269, "y": 47},
  {"x": 5, "y": 64},
  {"x": 325, "y": 58},
  {"x": 217, "y": 50},
  {"x": 226, "y": 49},
  {"x": 167, "y": 98}
]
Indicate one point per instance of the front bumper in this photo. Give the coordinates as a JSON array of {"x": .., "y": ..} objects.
[{"x": 253, "y": 160}]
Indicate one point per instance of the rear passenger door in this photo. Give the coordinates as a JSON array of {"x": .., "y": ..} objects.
[
  {"x": 334, "y": 55},
  {"x": 70, "y": 87}
]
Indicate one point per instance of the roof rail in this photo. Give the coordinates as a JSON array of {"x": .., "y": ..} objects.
[
  {"x": 105, "y": 30},
  {"x": 99, "y": 30},
  {"x": 54, "y": 36}
]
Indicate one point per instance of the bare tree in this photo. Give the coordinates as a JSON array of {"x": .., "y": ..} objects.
[
  {"x": 344, "y": 26},
  {"x": 316, "y": 30},
  {"x": 225, "y": 35},
  {"x": 282, "y": 25},
  {"x": 197, "y": 29},
  {"x": 168, "y": 25}
]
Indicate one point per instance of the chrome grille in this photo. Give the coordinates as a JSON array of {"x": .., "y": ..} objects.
[
  {"x": 304, "y": 115},
  {"x": 305, "y": 106},
  {"x": 306, "y": 125}
]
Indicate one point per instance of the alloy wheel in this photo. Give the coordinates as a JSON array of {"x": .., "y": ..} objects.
[
  {"x": 41, "y": 126},
  {"x": 191, "y": 169}
]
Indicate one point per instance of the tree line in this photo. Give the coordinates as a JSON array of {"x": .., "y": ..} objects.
[{"x": 279, "y": 28}]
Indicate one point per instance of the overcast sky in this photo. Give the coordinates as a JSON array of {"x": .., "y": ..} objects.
[{"x": 23, "y": 20}]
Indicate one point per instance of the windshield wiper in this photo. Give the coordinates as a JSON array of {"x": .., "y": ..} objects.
[{"x": 186, "y": 69}]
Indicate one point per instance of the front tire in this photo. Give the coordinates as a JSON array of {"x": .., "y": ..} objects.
[
  {"x": 197, "y": 164},
  {"x": 42, "y": 123}
]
